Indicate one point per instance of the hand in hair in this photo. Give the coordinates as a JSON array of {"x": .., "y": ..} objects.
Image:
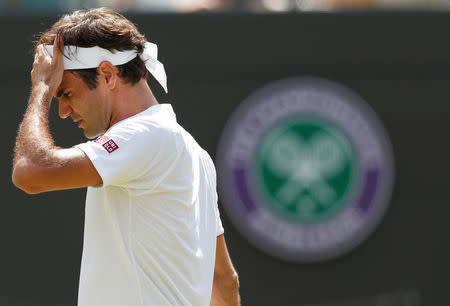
[{"x": 47, "y": 70}]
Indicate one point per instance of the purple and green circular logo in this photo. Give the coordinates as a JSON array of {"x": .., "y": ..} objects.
[{"x": 305, "y": 169}]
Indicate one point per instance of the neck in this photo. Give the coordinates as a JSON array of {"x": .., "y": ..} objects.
[{"x": 131, "y": 100}]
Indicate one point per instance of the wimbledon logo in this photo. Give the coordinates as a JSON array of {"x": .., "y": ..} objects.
[{"x": 305, "y": 169}]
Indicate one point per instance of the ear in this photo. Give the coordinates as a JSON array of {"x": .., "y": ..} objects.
[{"x": 109, "y": 73}]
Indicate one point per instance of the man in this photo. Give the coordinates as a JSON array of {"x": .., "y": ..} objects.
[{"x": 153, "y": 234}]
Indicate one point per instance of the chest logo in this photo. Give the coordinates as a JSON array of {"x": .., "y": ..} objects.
[{"x": 107, "y": 143}]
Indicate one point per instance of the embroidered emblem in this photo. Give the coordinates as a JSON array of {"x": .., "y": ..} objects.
[{"x": 107, "y": 143}]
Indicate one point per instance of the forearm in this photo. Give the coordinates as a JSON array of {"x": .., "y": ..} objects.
[
  {"x": 34, "y": 142},
  {"x": 39, "y": 165},
  {"x": 225, "y": 292}
]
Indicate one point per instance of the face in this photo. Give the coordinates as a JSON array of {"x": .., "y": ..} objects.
[{"x": 90, "y": 109}]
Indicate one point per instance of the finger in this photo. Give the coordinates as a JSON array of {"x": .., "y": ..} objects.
[
  {"x": 57, "y": 47},
  {"x": 61, "y": 41},
  {"x": 39, "y": 51}
]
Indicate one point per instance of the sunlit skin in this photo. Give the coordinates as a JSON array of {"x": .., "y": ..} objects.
[
  {"x": 95, "y": 110},
  {"x": 90, "y": 108},
  {"x": 39, "y": 165}
]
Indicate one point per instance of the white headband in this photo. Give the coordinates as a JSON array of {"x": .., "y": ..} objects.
[{"x": 84, "y": 58}]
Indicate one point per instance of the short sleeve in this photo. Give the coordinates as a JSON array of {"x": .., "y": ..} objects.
[
  {"x": 219, "y": 227},
  {"x": 211, "y": 187},
  {"x": 126, "y": 155}
]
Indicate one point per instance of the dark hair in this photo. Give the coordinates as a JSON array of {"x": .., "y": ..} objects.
[{"x": 104, "y": 28}]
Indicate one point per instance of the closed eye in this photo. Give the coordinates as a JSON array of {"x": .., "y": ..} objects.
[{"x": 63, "y": 92}]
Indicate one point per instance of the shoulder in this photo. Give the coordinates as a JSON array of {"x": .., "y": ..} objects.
[{"x": 152, "y": 122}]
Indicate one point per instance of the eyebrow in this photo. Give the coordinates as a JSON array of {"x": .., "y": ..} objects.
[{"x": 60, "y": 92}]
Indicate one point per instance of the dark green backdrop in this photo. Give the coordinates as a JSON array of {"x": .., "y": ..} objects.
[{"x": 399, "y": 63}]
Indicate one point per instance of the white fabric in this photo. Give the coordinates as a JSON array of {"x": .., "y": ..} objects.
[
  {"x": 85, "y": 58},
  {"x": 150, "y": 230}
]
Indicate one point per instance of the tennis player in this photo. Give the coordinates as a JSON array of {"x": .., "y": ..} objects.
[{"x": 153, "y": 234}]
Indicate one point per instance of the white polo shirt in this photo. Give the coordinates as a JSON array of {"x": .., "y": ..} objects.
[{"x": 150, "y": 230}]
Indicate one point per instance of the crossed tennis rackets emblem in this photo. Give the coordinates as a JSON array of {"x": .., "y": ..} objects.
[{"x": 306, "y": 165}]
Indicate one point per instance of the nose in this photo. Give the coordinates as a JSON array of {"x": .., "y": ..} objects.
[{"x": 64, "y": 109}]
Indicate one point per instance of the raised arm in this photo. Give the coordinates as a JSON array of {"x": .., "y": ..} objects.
[
  {"x": 226, "y": 281},
  {"x": 38, "y": 164}
]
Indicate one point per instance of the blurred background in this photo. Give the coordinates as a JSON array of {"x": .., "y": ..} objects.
[
  {"x": 251, "y": 6},
  {"x": 393, "y": 54}
]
